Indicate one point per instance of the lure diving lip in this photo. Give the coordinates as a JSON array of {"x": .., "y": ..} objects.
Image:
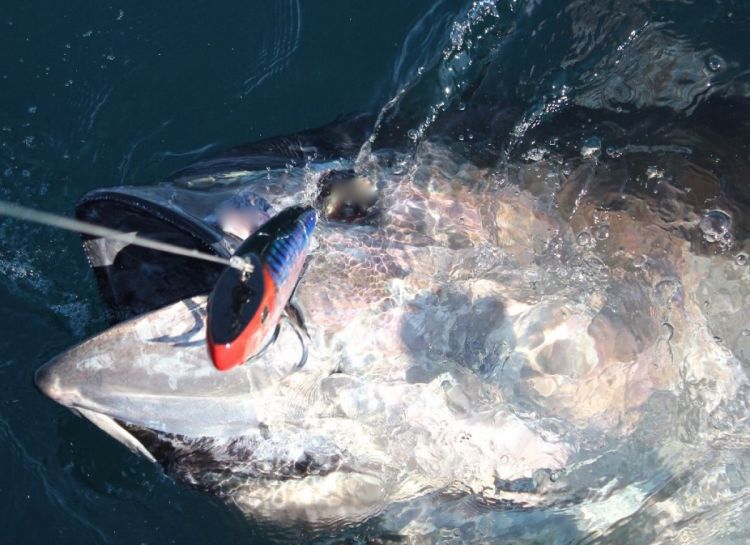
[{"x": 244, "y": 308}]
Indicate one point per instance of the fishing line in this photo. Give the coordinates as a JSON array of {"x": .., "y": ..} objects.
[{"x": 53, "y": 220}]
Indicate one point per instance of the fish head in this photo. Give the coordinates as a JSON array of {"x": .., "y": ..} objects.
[{"x": 466, "y": 333}]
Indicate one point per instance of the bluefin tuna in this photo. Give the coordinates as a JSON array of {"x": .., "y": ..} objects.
[{"x": 468, "y": 333}]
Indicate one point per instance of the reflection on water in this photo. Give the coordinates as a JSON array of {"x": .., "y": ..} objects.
[
  {"x": 610, "y": 320},
  {"x": 612, "y": 176}
]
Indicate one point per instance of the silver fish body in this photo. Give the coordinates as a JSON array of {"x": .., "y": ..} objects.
[{"x": 466, "y": 339}]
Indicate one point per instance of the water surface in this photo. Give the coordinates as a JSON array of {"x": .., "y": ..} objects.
[{"x": 609, "y": 117}]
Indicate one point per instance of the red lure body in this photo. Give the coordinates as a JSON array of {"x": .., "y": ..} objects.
[{"x": 244, "y": 309}]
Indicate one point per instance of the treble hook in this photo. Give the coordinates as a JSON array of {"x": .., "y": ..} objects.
[
  {"x": 303, "y": 338},
  {"x": 298, "y": 329}
]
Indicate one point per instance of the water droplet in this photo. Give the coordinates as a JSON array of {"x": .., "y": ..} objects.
[
  {"x": 716, "y": 225},
  {"x": 614, "y": 152},
  {"x": 461, "y": 137},
  {"x": 601, "y": 232},
  {"x": 536, "y": 154},
  {"x": 741, "y": 259},
  {"x": 715, "y": 63},
  {"x": 583, "y": 238},
  {"x": 591, "y": 148},
  {"x": 504, "y": 459},
  {"x": 667, "y": 331},
  {"x": 461, "y": 106},
  {"x": 653, "y": 172},
  {"x": 554, "y": 476},
  {"x": 640, "y": 261}
]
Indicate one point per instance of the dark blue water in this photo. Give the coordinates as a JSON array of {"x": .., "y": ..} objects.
[{"x": 94, "y": 95}]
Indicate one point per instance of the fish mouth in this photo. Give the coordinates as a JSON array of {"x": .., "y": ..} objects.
[
  {"x": 49, "y": 384},
  {"x": 201, "y": 461}
]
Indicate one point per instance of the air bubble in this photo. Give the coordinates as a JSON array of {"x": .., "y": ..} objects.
[
  {"x": 667, "y": 331},
  {"x": 591, "y": 148},
  {"x": 746, "y": 332},
  {"x": 716, "y": 225},
  {"x": 741, "y": 259},
  {"x": 601, "y": 232},
  {"x": 614, "y": 152},
  {"x": 536, "y": 154},
  {"x": 583, "y": 238},
  {"x": 640, "y": 261},
  {"x": 412, "y": 134},
  {"x": 653, "y": 172},
  {"x": 715, "y": 63}
]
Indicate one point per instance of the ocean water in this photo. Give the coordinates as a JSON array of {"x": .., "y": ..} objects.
[{"x": 649, "y": 100}]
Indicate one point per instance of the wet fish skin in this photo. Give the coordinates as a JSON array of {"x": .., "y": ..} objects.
[{"x": 465, "y": 340}]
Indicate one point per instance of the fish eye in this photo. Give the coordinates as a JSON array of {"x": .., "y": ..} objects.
[{"x": 346, "y": 196}]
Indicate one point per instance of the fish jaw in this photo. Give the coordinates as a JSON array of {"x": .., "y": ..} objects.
[{"x": 154, "y": 371}]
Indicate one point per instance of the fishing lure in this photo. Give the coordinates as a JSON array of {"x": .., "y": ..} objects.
[{"x": 245, "y": 307}]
